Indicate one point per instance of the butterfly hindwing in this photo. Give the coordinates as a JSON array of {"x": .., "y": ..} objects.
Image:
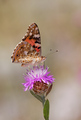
[{"x": 22, "y": 50}]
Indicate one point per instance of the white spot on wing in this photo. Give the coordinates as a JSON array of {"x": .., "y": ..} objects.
[
  {"x": 25, "y": 52},
  {"x": 26, "y": 34},
  {"x": 32, "y": 28},
  {"x": 32, "y": 48},
  {"x": 36, "y": 28},
  {"x": 37, "y": 36},
  {"x": 24, "y": 45},
  {"x": 30, "y": 34},
  {"x": 37, "y": 44}
]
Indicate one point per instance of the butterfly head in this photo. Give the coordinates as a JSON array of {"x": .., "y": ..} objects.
[{"x": 43, "y": 58}]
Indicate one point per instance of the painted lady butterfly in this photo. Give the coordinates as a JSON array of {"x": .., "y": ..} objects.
[{"x": 28, "y": 51}]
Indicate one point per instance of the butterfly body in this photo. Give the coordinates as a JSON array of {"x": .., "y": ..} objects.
[{"x": 28, "y": 51}]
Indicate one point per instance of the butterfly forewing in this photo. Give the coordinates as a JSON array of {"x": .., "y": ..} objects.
[{"x": 33, "y": 33}]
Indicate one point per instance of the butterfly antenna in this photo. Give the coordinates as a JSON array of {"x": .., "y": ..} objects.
[{"x": 51, "y": 52}]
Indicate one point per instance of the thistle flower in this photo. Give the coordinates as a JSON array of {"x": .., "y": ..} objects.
[{"x": 38, "y": 79}]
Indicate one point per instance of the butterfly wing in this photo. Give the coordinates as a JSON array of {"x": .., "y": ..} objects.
[
  {"x": 29, "y": 49},
  {"x": 33, "y": 37}
]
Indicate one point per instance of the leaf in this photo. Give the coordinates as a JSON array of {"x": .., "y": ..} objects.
[{"x": 46, "y": 110}]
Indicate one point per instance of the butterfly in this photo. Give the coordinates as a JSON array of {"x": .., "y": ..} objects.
[{"x": 28, "y": 51}]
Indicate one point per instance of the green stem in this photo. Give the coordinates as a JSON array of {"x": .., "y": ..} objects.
[{"x": 43, "y": 100}]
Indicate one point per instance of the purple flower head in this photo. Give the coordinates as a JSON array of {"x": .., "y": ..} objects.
[{"x": 36, "y": 77}]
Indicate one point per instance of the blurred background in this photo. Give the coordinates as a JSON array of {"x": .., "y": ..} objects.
[{"x": 59, "y": 22}]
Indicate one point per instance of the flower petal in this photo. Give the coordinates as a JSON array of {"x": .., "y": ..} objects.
[{"x": 37, "y": 74}]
